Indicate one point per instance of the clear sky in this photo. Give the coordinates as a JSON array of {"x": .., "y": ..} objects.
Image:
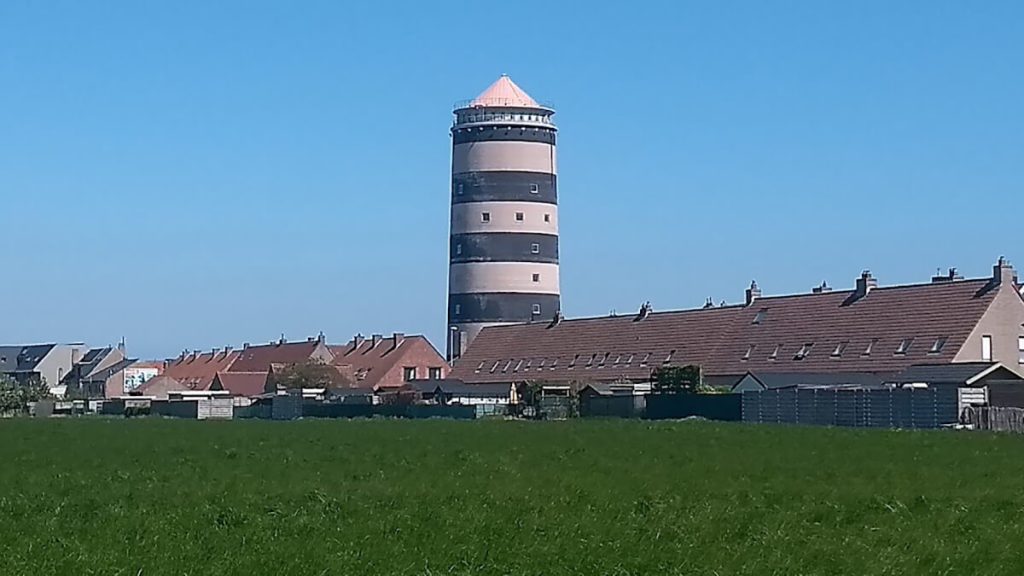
[{"x": 191, "y": 174}]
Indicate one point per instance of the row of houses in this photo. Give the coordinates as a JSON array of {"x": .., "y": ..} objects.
[
  {"x": 869, "y": 329},
  {"x": 79, "y": 372}
]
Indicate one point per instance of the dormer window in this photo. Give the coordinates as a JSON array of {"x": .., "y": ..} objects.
[
  {"x": 668, "y": 359},
  {"x": 591, "y": 361},
  {"x": 775, "y": 353},
  {"x": 643, "y": 362},
  {"x": 574, "y": 361},
  {"x": 480, "y": 367},
  {"x": 804, "y": 351},
  {"x": 507, "y": 364},
  {"x": 604, "y": 359},
  {"x": 759, "y": 317},
  {"x": 904, "y": 346},
  {"x": 629, "y": 360},
  {"x": 750, "y": 350},
  {"x": 495, "y": 367},
  {"x": 939, "y": 344},
  {"x": 518, "y": 366}
]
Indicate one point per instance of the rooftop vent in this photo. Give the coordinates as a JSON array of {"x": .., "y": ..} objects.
[
  {"x": 709, "y": 303},
  {"x": 645, "y": 311},
  {"x": 822, "y": 288},
  {"x": 556, "y": 320},
  {"x": 950, "y": 276}
]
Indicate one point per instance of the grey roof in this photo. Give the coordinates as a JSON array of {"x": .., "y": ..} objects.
[
  {"x": 774, "y": 380},
  {"x": 23, "y": 358},
  {"x": 959, "y": 373},
  {"x": 460, "y": 388}
]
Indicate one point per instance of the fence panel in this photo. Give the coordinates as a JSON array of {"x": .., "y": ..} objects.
[{"x": 726, "y": 407}]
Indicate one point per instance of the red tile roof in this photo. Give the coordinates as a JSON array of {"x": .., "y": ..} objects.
[
  {"x": 246, "y": 384},
  {"x": 369, "y": 363},
  {"x": 197, "y": 370},
  {"x": 610, "y": 348},
  {"x": 260, "y": 358}
]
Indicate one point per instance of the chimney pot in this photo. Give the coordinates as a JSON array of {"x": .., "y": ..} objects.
[
  {"x": 375, "y": 340},
  {"x": 245, "y": 346},
  {"x": 398, "y": 338}
]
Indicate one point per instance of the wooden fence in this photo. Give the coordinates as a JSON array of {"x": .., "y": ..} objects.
[{"x": 996, "y": 418}]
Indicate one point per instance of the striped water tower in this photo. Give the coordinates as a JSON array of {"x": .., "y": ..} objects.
[{"x": 503, "y": 251}]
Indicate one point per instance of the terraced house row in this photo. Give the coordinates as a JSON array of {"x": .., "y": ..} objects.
[{"x": 866, "y": 329}]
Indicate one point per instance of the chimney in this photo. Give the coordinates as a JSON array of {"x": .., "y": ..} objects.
[
  {"x": 375, "y": 339},
  {"x": 556, "y": 320},
  {"x": 321, "y": 338},
  {"x": 709, "y": 303},
  {"x": 753, "y": 293},
  {"x": 245, "y": 346},
  {"x": 645, "y": 311},
  {"x": 823, "y": 288},
  {"x": 282, "y": 340},
  {"x": 227, "y": 350},
  {"x": 309, "y": 339},
  {"x": 398, "y": 338},
  {"x": 121, "y": 346},
  {"x": 213, "y": 353},
  {"x": 865, "y": 284},
  {"x": 1003, "y": 273},
  {"x": 950, "y": 276},
  {"x": 357, "y": 341}
]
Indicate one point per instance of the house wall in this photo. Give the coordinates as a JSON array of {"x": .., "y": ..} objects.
[
  {"x": 418, "y": 353},
  {"x": 58, "y": 362},
  {"x": 135, "y": 377},
  {"x": 114, "y": 386},
  {"x": 1002, "y": 321}
]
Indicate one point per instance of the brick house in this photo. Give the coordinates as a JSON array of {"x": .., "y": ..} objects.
[{"x": 378, "y": 362}]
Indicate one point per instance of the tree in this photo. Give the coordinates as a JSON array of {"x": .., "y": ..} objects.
[
  {"x": 15, "y": 396},
  {"x": 308, "y": 374},
  {"x": 679, "y": 379}
]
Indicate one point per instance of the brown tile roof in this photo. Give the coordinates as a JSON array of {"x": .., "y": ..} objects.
[
  {"x": 260, "y": 358},
  {"x": 610, "y": 348},
  {"x": 246, "y": 384},
  {"x": 159, "y": 386},
  {"x": 197, "y": 370},
  {"x": 368, "y": 363}
]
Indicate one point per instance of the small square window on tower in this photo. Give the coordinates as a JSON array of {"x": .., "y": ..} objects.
[
  {"x": 536, "y": 277},
  {"x": 547, "y": 217},
  {"x": 459, "y": 188},
  {"x": 536, "y": 309},
  {"x": 534, "y": 189},
  {"x": 534, "y": 248},
  {"x": 458, "y": 249},
  {"x": 519, "y": 216},
  {"x": 485, "y": 216}
]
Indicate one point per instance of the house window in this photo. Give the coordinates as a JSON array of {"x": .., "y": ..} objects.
[
  {"x": 775, "y": 353},
  {"x": 591, "y": 361},
  {"x": 1020, "y": 349},
  {"x": 668, "y": 359},
  {"x": 518, "y": 366},
  {"x": 485, "y": 216},
  {"x": 643, "y": 362},
  {"x": 458, "y": 249},
  {"x": 629, "y": 360},
  {"x": 803, "y": 351},
  {"x": 604, "y": 359},
  {"x": 534, "y": 189},
  {"x": 547, "y": 217},
  {"x": 837, "y": 352},
  {"x": 986, "y": 348},
  {"x": 506, "y": 367},
  {"x": 536, "y": 277},
  {"x": 495, "y": 367},
  {"x": 759, "y": 317},
  {"x": 409, "y": 373},
  {"x": 939, "y": 344},
  {"x": 435, "y": 372},
  {"x": 572, "y": 364},
  {"x": 904, "y": 346},
  {"x": 536, "y": 309},
  {"x": 480, "y": 367},
  {"x": 459, "y": 189},
  {"x": 458, "y": 309},
  {"x": 534, "y": 248},
  {"x": 519, "y": 216},
  {"x": 746, "y": 355},
  {"x": 871, "y": 345}
]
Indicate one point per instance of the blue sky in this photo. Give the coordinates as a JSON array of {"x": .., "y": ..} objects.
[{"x": 192, "y": 174}]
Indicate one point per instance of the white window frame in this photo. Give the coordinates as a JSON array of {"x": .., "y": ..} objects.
[
  {"x": 535, "y": 248},
  {"x": 534, "y": 189},
  {"x": 485, "y": 217},
  {"x": 986, "y": 348},
  {"x": 535, "y": 309}
]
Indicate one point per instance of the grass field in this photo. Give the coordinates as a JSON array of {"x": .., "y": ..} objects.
[{"x": 441, "y": 497}]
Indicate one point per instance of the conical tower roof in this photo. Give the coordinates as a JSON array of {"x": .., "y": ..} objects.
[{"x": 505, "y": 93}]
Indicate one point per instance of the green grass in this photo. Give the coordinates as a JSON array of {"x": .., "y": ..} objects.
[{"x": 439, "y": 497}]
